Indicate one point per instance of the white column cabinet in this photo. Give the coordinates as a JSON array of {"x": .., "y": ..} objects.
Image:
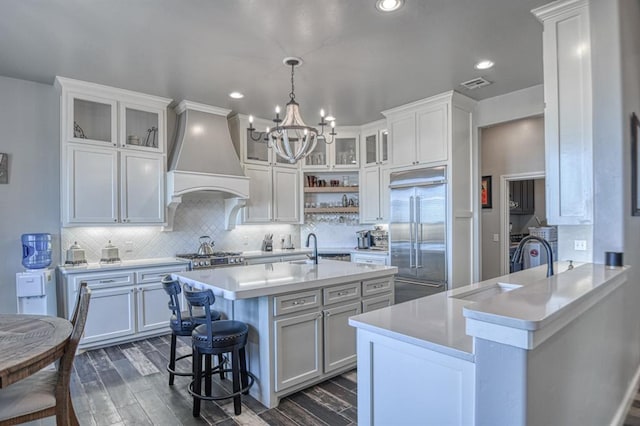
[
  {"x": 568, "y": 112},
  {"x": 274, "y": 195},
  {"x": 113, "y": 155},
  {"x": 419, "y": 132},
  {"x": 374, "y": 195}
]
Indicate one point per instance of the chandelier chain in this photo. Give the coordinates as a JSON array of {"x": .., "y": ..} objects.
[{"x": 292, "y": 95}]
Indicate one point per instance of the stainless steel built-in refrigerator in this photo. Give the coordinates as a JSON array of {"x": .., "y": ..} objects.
[{"x": 417, "y": 231}]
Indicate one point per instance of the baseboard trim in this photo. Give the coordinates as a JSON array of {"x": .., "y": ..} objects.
[{"x": 621, "y": 413}]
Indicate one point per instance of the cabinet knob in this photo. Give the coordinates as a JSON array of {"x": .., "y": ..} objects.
[{"x": 115, "y": 220}]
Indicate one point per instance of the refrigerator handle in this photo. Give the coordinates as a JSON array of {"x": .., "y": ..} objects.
[
  {"x": 411, "y": 225},
  {"x": 418, "y": 228}
]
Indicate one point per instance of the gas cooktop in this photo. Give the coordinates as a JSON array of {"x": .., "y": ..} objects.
[{"x": 213, "y": 260}]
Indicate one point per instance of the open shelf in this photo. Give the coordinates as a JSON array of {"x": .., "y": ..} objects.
[
  {"x": 331, "y": 210},
  {"x": 325, "y": 189}
]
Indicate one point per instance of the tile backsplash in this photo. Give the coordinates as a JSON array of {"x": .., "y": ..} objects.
[{"x": 194, "y": 218}]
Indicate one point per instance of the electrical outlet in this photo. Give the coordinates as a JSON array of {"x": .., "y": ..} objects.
[
  {"x": 496, "y": 237},
  {"x": 580, "y": 245},
  {"x": 128, "y": 246}
]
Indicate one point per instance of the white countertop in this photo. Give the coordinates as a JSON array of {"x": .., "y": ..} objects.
[
  {"x": 436, "y": 322},
  {"x": 276, "y": 252},
  {"x": 244, "y": 282},
  {"x": 125, "y": 264}
]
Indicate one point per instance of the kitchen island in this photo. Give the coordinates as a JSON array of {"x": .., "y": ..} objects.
[
  {"x": 520, "y": 349},
  {"x": 297, "y": 314}
]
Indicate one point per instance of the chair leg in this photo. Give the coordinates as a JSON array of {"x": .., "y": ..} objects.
[
  {"x": 197, "y": 381},
  {"x": 73, "y": 419},
  {"x": 235, "y": 368},
  {"x": 172, "y": 358},
  {"x": 207, "y": 375},
  {"x": 221, "y": 365},
  {"x": 243, "y": 370}
]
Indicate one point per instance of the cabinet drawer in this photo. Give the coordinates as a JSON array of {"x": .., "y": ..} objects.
[
  {"x": 295, "y": 302},
  {"x": 155, "y": 275},
  {"x": 376, "y": 286},
  {"x": 340, "y": 293},
  {"x": 102, "y": 279},
  {"x": 377, "y": 302}
]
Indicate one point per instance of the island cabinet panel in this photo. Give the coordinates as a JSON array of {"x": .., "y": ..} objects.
[
  {"x": 421, "y": 387},
  {"x": 296, "y": 302},
  {"x": 339, "y": 336},
  {"x": 298, "y": 349},
  {"x": 378, "y": 302},
  {"x": 126, "y": 304},
  {"x": 341, "y": 293}
]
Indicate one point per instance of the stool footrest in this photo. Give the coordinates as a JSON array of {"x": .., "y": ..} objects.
[{"x": 244, "y": 390}]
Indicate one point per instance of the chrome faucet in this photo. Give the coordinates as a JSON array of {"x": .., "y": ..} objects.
[
  {"x": 517, "y": 255},
  {"x": 315, "y": 246}
]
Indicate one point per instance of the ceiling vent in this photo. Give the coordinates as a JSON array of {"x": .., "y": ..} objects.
[{"x": 475, "y": 83}]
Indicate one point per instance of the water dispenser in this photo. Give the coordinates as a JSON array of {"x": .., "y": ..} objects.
[{"x": 36, "y": 251}]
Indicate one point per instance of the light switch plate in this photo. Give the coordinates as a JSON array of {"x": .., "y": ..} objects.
[
  {"x": 580, "y": 245},
  {"x": 496, "y": 237}
]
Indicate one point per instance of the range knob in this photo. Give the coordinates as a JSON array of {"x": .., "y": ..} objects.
[{"x": 205, "y": 263}]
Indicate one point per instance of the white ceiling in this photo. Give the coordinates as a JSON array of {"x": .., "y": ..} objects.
[{"x": 358, "y": 61}]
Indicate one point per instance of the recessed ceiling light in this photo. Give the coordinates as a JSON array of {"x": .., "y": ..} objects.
[
  {"x": 389, "y": 5},
  {"x": 330, "y": 118},
  {"x": 236, "y": 95},
  {"x": 484, "y": 64}
]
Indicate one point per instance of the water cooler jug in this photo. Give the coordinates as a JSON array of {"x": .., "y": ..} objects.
[{"x": 36, "y": 287}]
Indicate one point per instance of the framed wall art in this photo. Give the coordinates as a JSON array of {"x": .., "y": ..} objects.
[
  {"x": 486, "y": 195},
  {"x": 4, "y": 168},
  {"x": 635, "y": 184}
]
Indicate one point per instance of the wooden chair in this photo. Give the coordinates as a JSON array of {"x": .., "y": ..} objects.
[{"x": 46, "y": 393}]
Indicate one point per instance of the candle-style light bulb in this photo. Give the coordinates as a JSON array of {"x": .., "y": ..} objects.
[
  {"x": 267, "y": 129},
  {"x": 322, "y": 113},
  {"x": 277, "y": 109},
  {"x": 251, "y": 119},
  {"x": 333, "y": 124},
  {"x": 305, "y": 132}
]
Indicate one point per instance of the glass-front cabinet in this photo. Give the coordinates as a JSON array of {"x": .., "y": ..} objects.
[
  {"x": 252, "y": 147},
  {"x": 142, "y": 128},
  {"x": 342, "y": 153},
  {"x": 92, "y": 120},
  {"x": 375, "y": 150}
]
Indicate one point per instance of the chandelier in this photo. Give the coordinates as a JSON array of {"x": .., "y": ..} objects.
[{"x": 291, "y": 138}]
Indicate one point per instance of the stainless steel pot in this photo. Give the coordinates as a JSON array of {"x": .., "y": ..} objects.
[{"x": 206, "y": 245}]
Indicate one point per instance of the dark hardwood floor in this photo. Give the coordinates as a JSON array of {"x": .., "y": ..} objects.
[{"x": 128, "y": 385}]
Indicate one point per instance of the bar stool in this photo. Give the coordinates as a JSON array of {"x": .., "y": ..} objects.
[
  {"x": 216, "y": 338},
  {"x": 181, "y": 324}
]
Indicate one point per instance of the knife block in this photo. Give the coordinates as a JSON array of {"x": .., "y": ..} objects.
[{"x": 267, "y": 245}]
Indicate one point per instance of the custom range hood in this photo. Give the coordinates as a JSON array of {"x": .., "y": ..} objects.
[{"x": 203, "y": 160}]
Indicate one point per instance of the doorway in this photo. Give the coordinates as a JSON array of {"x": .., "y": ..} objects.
[{"x": 522, "y": 205}]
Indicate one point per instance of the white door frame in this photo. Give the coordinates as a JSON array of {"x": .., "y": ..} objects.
[{"x": 505, "y": 241}]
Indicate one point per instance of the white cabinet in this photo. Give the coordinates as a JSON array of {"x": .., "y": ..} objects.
[
  {"x": 419, "y": 132},
  {"x": 374, "y": 195},
  {"x": 568, "y": 112},
  {"x": 252, "y": 148},
  {"x": 342, "y": 153},
  {"x": 373, "y": 259},
  {"x": 126, "y": 304},
  {"x": 375, "y": 146},
  {"x": 113, "y": 155},
  {"x": 91, "y": 185},
  {"x": 274, "y": 195}
]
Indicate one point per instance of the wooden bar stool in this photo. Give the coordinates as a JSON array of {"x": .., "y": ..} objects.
[
  {"x": 181, "y": 324},
  {"x": 216, "y": 338}
]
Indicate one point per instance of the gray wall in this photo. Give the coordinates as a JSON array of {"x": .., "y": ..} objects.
[
  {"x": 29, "y": 119},
  {"x": 513, "y": 147}
]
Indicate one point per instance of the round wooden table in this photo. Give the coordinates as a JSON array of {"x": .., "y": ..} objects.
[{"x": 29, "y": 343}]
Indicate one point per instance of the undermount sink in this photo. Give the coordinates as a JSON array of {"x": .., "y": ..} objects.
[
  {"x": 483, "y": 293},
  {"x": 304, "y": 262}
]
